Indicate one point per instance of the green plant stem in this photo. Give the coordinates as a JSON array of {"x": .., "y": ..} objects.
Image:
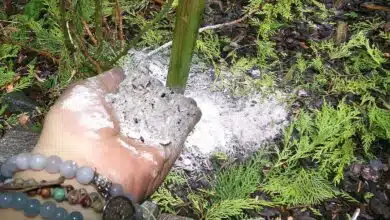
[
  {"x": 98, "y": 26},
  {"x": 132, "y": 43},
  {"x": 188, "y": 19}
]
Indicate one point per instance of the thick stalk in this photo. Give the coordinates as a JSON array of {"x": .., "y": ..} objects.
[{"x": 188, "y": 19}]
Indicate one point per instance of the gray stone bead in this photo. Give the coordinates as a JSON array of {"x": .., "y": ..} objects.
[
  {"x": 22, "y": 161},
  {"x": 53, "y": 164},
  {"x": 12, "y": 159},
  {"x": 37, "y": 162},
  {"x": 68, "y": 169},
  {"x": 84, "y": 175},
  {"x": 8, "y": 169},
  {"x": 116, "y": 190}
]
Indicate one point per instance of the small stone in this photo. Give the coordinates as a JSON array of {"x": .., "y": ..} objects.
[
  {"x": 68, "y": 169},
  {"x": 302, "y": 93},
  {"x": 53, "y": 164},
  {"x": 255, "y": 73},
  {"x": 387, "y": 185},
  {"x": 84, "y": 175},
  {"x": 149, "y": 210},
  {"x": 59, "y": 194},
  {"x": 19, "y": 102},
  {"x": 37, "y": 162}
]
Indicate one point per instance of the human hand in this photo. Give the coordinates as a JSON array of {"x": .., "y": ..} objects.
[{"x": 81, "y": 126}]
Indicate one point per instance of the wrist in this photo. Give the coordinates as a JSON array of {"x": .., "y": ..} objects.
[
  {"x": 67, "y": 188},
  {"x": 88, "y": 213},
  {"x": 97, "y": 156}
]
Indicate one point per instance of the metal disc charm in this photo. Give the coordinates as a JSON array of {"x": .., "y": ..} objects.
[{"x": 119, "y": 208}]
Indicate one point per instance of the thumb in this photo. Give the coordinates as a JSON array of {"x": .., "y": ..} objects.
[{"x": 110, "y": 79}]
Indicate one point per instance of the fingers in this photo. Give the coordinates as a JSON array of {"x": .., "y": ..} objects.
[{"x": 108, "y": 81}]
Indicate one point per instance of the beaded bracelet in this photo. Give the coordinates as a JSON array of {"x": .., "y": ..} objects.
[
  {"x": 33, "y": 207},
  {"x": 53, "y": 164},
  {"x": 48, "y": 189},
  {"x": 117, "y": 206}
]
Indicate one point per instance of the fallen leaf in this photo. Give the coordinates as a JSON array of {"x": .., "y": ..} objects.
[
  {"x": 9, "y": 88},
  {"x": 303, "y": 45},
  {"x": 387, "y": 55}
]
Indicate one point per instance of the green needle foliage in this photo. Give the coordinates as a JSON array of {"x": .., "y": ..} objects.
[
  {"x": 326, "y": 139},
  {"x": 188, "y": 19},
  {"x": 230, "y": 208},
  {"x": 238, "y": 182},
  {"x": 299, "y": 187}
]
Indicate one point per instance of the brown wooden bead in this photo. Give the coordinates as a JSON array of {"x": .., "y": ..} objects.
[{"x": 45, "y": 192}]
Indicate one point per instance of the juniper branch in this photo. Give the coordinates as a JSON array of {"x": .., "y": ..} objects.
[{"x": 159, "y": 16}]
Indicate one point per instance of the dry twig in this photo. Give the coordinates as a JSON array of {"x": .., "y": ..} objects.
[
  {"x": 93, "y": 39},
  {"x": 211, "y": 27},
  {"x": 371, "y": 6}
]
